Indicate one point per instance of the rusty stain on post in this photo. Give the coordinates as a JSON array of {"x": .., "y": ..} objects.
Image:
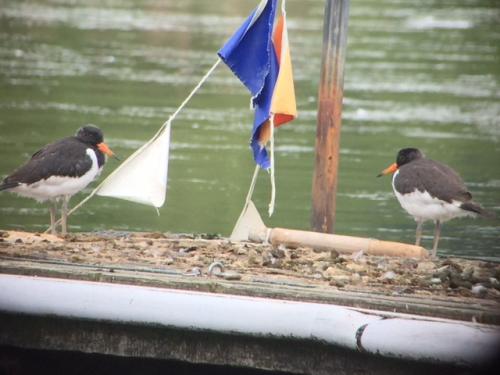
[{"x": 329, "y": 115}]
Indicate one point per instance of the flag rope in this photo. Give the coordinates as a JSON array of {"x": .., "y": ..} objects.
[
  {"x": 254, "y": 180},
  {"x": 273, "y": 183},
  {"x": 165, "y": 125}
]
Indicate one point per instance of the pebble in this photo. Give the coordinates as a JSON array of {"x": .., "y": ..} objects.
[
  {"x": 426, "y": 267},
  {"x": 389, "y": 276},
  {"x": 278, "y": 253},
  {"x": 187, "y": 250},
  {"x": 453, "y": 265},
  {"x": 358, "y": 255},
  {"x": 355, "y": 278},
  {"x": 467, "y": 272},
  {"x": 267, "y": 259},
  {"x": 479, "y": 290},
  {"x": 454, "y": 277},
  {"x": 321, "y": 266},
  {"x": 355, "y": 267},
  {"x": 340, "y": 280},
  {"x": 443, "y": 273},
  {"x": 231, "y": 275},
  {"x": 382, "y": 265},
  {"x": 252, "y": 257},
  {"x": 331, "y": 272},
  {"x": 241, "y": 250}
]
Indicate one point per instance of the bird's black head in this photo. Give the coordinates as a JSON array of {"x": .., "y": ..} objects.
[
  {"x": 407, "y": 155},
  {"x": 90, "y": 134}
]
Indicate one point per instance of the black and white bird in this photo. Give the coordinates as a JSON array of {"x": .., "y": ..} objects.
[
  {"x": 429, "y": 190},
  {"x": 60, "y": 170}
]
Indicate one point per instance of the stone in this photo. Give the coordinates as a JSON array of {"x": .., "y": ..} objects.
[
  {"x": 168, "y": 261},
  {"x": 231, "y": 275},
  {"x": 383, "y": 265},
  {"x": 425, "y": 267},
  {"x": 388, "y": 276},
  {"x": 479, "y": 290},
  {"x": 454, "y": 265},
  {"x": 355, "y": 267},
  {"x": 340, "y": 279},
  {"x": 252, "y": 257},
  {"x": 241, "y": 250},
  {"x": 358, "y": 255},
  {"x": 443, "y": 273},
  {"x": 278, "y": 252},
  {"x": 334, "y": 271},
  {"x": 321, "y": 266},
  {"x": 436, "y": 280},
  {"x": 355, "y": 278}
]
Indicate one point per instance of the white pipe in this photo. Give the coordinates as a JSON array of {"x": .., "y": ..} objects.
[
  {"x": 434, "y": 341},
  {"x": 181, "y": 309},
  {"x": 448, "y": 342}
]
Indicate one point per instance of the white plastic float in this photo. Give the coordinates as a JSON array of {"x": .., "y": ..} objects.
[{"x": 404, "y": 336}]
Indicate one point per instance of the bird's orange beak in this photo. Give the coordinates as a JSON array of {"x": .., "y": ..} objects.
[
  {"x": 103, "y": 147},
  {"x": 390, "y": 169}
]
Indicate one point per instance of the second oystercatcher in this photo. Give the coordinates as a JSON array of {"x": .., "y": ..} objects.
[
  {"x": 429, "y": 190},
  {"x": 60, "y": 170}
]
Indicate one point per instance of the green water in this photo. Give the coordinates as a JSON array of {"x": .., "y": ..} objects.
[{"x": 424, "y": 74}]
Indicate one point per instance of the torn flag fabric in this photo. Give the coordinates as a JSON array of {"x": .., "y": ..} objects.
[
  {"x": 142, "y": 178},
  {"x": 261, "y": 60}
]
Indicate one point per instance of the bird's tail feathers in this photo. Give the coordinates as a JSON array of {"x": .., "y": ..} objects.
[
  {"x": 8, "y": 185},
  {"x": 476, "y": 208}
]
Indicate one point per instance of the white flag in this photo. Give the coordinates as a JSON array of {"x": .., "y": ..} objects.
[{"x": 142, "y": 178}]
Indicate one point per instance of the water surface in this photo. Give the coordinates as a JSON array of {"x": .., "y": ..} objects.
[{"x": 424, "y": 74}]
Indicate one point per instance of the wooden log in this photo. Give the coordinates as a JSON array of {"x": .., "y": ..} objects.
[{"x": 344, "y": 244}]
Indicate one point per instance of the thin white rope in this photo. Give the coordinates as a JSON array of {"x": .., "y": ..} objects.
[
  {"x": 196, "y": 88},
  {"x": 252, "y": 184},
  {"x": 273, "y": 183},
  {"x": 163, "y": 127}
]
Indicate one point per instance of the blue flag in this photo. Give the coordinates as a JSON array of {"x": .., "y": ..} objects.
[{"x": 250, "y": 54}]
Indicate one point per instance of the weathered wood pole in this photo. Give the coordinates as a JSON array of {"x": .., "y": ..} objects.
[{"x": 330, "y": 96}]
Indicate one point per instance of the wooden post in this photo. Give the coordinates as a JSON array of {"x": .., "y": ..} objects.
[{"x": 329, "y": 115}]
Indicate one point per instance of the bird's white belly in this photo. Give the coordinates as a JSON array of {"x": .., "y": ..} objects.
[
  {"x": 58, "y": 186},
  {"x": 422, "y": 206}
]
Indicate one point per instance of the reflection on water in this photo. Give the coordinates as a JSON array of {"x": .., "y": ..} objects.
[{"x": 423, "y": 74}]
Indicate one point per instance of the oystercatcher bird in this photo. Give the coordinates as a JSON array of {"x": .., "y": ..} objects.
[
  {"x": 429, "y": 190},
  {"x": 60, "y": 170}
]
